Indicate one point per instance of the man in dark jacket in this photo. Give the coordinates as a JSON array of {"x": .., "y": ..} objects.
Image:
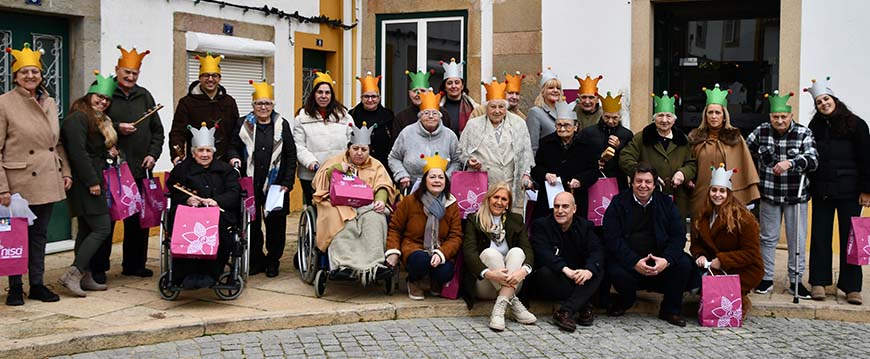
[
  {"x": 370, "y": 111},
  {"x": 206, "y": 101},
  {"x": 570, "y": 262},
  {"x": 645, "y": 235},
  {"x": 140, "y": 145},
  {"x": 608, "y": 137},
  {"x": 419, "y": 85}
]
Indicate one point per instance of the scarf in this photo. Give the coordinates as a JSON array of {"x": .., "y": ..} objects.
[
  {"x": 433, "y": 207},
  {"x": 497, "y": 229},
  {"x": 248, "y": 136}
]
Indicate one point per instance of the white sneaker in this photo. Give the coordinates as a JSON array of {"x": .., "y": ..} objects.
[
  {"x": 519, "y": 312},
  {"x": 496, "y": 319}
]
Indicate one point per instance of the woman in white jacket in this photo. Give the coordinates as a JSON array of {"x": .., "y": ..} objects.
[{"x": 321, "y": 130}]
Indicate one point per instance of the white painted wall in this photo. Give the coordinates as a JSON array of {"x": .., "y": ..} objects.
[
  {"x": 604, "y": 47},
  {"x": 148, "y": 25},
  {"x": 833, "y": 44}
]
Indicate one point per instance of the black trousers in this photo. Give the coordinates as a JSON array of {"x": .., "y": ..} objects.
[
  {"x": 135, "y": 245},
  {"x": 550, "y": 285},
  {"x": 671, "y": 282},
  {"x": 821, "y": 242},
  {"x": 276, "y": 227},
  {"x": 37, "y": 236},
  {"x": 182, "y": 267},
  {"x": 307, "y": 191}
]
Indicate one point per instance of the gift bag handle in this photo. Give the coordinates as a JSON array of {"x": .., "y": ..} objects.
[{"x": 707, "y": 267}]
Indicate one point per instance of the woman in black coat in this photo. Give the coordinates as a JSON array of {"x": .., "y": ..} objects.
[{"x": 841, "y": 183}]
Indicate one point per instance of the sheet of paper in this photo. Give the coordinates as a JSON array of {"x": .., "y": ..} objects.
[
  {"x": 274, "y": 199},
  {"x": 553, "y": 190}
]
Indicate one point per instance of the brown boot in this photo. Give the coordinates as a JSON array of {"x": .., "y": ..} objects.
[
  {"x": 747, "y": 306},
  {"x": 854, "y": 298},
  {"x": 88, "y": 283},
  {"x": 72, "y": 280},
  {"x": 414, "y": 291}
]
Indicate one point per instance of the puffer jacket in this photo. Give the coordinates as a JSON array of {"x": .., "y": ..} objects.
[
  {"x": 413, "y": 141},
  {"x": 317, "y": 140},
  {"x": 844, "y": 161}
]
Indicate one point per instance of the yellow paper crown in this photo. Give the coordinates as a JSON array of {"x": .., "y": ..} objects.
[
  {"x": 611, "y": 104},
  {"x": 369, "y": 83},
  {"x": 322, "y": 77},
  {"x": 131, "y": 59},
  {"x": 588, "y": 86},
  {"x": 435, "y": 161},
  {"x": 514, "y": 82},
  {"x": 262, "y": 90},
  {"x": 430, "y": 101},
  {"x": 25, "y": 57},
  {"x": 495, "y": 90},
  {"x": 209, "y": 64}
]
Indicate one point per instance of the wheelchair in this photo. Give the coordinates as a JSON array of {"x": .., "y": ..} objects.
[
  {"x": 231, "y": 282},
  {"x": 313, "y": 265}
]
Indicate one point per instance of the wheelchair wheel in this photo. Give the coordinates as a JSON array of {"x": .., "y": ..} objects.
[
  {"x": 391, "y": 283},
  {"x": 165, "y": 288},
  {"x": 306, "y": 249},
  {"x": 320, "y": 282},
  {"x": 233, "y": 286}
]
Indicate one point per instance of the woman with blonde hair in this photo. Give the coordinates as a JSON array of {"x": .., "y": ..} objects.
[{"x": 541, "y": 119}]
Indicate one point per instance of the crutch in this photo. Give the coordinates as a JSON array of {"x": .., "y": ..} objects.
[{"x": 797, "y": 247}]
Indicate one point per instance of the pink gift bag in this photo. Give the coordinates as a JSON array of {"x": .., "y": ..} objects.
[
  {"x": 600, "y": 195},
  {"x": 13, "y": 246},
  {"x": 247, "y": 184},
  {"x": 720, "y": 305},
  {"x": 468, "y": 187},
  {"x": 121, "y": 192},
  {"x": 858, "y": 250},
  {"x": 195, "y": 232},
  {"x": 450, "y": 290},
  {"x": 346, "y": 190},
  {"x": 153, "y": 203}
]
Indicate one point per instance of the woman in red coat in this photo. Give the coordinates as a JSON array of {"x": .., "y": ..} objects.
[{"x": 725, "y": 236}]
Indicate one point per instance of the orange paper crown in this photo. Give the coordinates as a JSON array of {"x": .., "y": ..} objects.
[
  {"x": 435, "y": 161},
  {"x": 321, "y": 77},
  {"x": 25, "y": 57},
  {"x": 588, "y": 86},
  {"x": 514, "y": 82},
  {"x": 209, "y": 64},
  {"x": 495, "y": 90},
  {"x": 611, "y": 104},
  {"x": 430, "y": 100},
  {"x": 369, "y": 83},
  {"x": 131, "y": 59},
  {"x": 262, "y": 90}
]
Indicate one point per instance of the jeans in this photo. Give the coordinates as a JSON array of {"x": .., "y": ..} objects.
[
  {"x": 772, "y": 215},
  {"x": 94, "y": 230},
  {"x": 418, "y": 267}
]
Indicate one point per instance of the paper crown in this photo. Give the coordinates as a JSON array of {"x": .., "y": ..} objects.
[
  {"x": 202, "y": 137},
  {"x": 819, "y": 88},
  {"x": 321, "y": 77},
  {"x": 430, "y": 101},
  {"x": 588, "y": 86},
  {"x": 369, "y": 83},
  {"x": 779, "y": 103},
  {"x": 262, "y": 90},
  {"x": 452, "y": 69},
  {"x": 716, "y": 95},
  {"x": 209, "y": 64},
  {"x": 495, "y": 90},
  {"x": 611, "y": 104},
  {"x": 419, "y": 79},
  {"x": 547, "y": 75},
  {"x": 664, "y": 103},
  {"x": 131, "y": 59},
  {"x": 25, "y": 57},
  {"x": 565, "y": 110},
  {"x": 103, "y": 85},
  {"x": 361, "y": 135},
  {"x": 514, "y": 82},
  {"x": 721, "y": 177},
  {"x": 435, "y": 161}
]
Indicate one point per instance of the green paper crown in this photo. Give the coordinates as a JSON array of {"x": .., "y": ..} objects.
[
  {"x": 103, "y": 85},
  {"x": 779, "y": 104},
  {"x": 664, "y": 103},
  {"x": 419, "y": 79},
  {"x": 716, "y": 96}
]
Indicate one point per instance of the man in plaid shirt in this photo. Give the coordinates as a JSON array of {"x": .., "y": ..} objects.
[{"x": 783, "y": 151}]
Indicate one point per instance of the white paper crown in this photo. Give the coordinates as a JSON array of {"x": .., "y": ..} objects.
[
  {"x": 361, "y": 135},
  {"x": 452, "y": 69},
  {"x": 721, "y": 177},
  {"x": 565, "y": 110},
  {"x": 819, "y": 88},
  {"x": 547, "y": 75},
  {"x": 202, "y": 137}
]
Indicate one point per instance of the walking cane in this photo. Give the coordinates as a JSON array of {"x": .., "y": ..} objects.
[{"x": 797, "y": 248}]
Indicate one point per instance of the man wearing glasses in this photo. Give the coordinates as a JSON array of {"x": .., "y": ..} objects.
[
  {"x": 419, "y": 85},
  {"x": 372, "y": 113},
  {"x": 206, "y": 102}
]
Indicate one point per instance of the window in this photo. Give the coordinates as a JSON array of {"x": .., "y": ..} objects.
[
  {"x": 235, "y": 74},
  {"x": 731, "y": 33},
  {"x": 417, "y": 41}
]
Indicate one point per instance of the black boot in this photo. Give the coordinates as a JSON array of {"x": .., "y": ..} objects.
[
  {"x": 41, "y": 292},
  {"x": 15, "y": 296}
]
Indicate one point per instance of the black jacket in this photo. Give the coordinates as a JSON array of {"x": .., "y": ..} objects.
[
  {"x": 582, "y": 250},
  {"x": 148, "y": 138},
  {"x": 86, "y": 151},
  {"x": 383, "y": 136},
  {"x": 219, "y": 182},
  {"x": 196, "y": 108},
  {"x": 597, "y": 136},
  {"x": 476, "y": 240},
  {"x": 844, "y": 161},
  {"x": 670, "y": 229},
  {"x": 576, "y": 161}
]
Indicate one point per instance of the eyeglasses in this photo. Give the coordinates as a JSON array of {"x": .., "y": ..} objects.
[
  {"x": 370, "y": 97},
  {"x": 564, "y": 125},
  {"x": 263, "y": 103},
  {"x": 215, "y": 76},
  {"x": 429, "y": 113}
]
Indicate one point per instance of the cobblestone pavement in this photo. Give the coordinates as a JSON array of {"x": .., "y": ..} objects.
[{"x": 631, "y": 336}]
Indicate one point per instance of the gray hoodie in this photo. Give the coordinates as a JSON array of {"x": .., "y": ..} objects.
[{"x": 413, "y": 141}]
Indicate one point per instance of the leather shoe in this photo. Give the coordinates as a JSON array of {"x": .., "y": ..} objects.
[
  {"x": 673, "y": 319},
  {"x": 564, "y": 320},
  {"x": 586, "y": 317},
  {"x": 272, "y": 270},
  {"x": 615, "y": 310},
  {"x": 41, "y": 292},
  {"x": 141, "y": 272}
]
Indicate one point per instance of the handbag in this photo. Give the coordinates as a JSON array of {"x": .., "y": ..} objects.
[
  {"x": 450, "y": 290},
  {"x": 858, "y": 249},
  {"x": 13, "y": 245},
  {"x": 721, "y": 305},
  {"x": 122, "y": 194},
  {"x": 195, "y": 232},
  {"x": 153, "y": 202}
]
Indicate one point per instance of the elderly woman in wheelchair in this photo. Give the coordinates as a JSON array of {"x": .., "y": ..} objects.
[{"x": 355, "y": 237}]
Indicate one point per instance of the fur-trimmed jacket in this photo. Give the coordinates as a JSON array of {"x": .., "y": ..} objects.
[{"x": 725, "y": 146}]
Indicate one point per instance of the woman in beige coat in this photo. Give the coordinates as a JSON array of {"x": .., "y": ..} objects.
[{"x": 32, "y": 163}]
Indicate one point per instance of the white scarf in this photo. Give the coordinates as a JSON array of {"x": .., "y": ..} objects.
[{"x": 248, "y": 135}]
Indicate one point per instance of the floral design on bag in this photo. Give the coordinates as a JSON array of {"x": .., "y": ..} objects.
[
  {"x": 727, "y": 311},
  {"x": 471, "y": 203},
  {"x": 200, "y": 237},
  {"x": 130, "y": 199},
  {"x": 600, "y": 210}
]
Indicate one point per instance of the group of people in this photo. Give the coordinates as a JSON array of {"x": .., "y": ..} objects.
[{"x": 661, "y": 174}]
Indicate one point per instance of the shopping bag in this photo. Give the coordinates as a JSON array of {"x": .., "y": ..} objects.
[
  {"x": 153, "y": 202},
  {"x": 450, "y": 290},
  {"x": 858, "y": 250},
  {"x": 122, "y": 193},
  {"x": 347, "y": 190},
  {"x": 247, "y": 184},
  {"x": 13, "y": 245},
  {"x": 720, "y": 305},
  {"x": 468, "y": 187},
  {"x": 600, "y": 195},
  {"x": 195, "y": 232}
]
